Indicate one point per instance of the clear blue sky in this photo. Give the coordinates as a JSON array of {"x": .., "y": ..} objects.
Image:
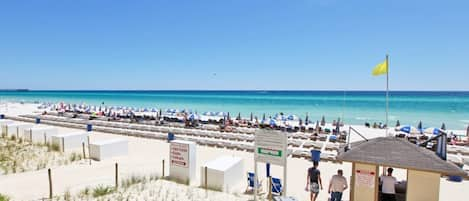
[{"x": 233, "y": 44}]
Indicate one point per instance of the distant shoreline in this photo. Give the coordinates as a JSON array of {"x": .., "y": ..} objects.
[
  {"x": 2, "y": 90},
  {"x": 216, "y": 90}
]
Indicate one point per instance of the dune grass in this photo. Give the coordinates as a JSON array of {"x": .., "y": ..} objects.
[
  {"x": 17, "y": 156},
  {"x": 152, "y": 187},
  {"x": 102, "y": 191},
  {"x": 4, "y": 197}
]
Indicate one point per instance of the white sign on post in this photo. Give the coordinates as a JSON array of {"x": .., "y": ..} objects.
[
  {"x": 271, "y": 147},
  {"x": 182, "y": 161},
  {"x": 179, "y": 154}
]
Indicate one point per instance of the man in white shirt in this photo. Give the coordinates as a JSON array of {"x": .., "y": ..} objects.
[
  {"x": 388, "y": 183},
  {"x": 337, "y": 185}
]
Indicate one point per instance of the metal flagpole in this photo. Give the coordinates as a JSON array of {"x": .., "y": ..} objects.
[{"x": 387, "y": 93}]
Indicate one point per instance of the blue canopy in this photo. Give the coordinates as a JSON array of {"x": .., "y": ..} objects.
[
  {"x": 171, "y": 110},
  {"x": 272, "y": 122},
  {"x": 193, "y": 116},
  {"x": 208, "y": 113}
]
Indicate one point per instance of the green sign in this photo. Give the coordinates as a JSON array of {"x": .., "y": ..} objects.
[{"x": 270, "y": 152}]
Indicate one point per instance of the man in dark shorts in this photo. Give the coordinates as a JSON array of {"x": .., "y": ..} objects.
[{"x": 313, "y": 181}]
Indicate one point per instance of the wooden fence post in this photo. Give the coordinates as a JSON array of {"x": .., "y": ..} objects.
[
  {"x": 50, "y": 183},
  {"x": 163, "y": 169},
  {"x": 83, "y": 146},
  {"x": 117, "y": 175},
  {"x": 89, "y": 152},
  {"x": 206, "y": 182}
]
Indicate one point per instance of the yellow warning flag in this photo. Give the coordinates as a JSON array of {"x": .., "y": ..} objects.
[{"x": 381, "y": 68}]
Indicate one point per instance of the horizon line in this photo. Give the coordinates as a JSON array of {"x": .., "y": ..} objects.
[{"x": 225, "y": 90}]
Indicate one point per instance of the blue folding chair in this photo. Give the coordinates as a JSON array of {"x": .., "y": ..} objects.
[
  {"x": 276, "y": 186},
  {"x": 251, "y": 179}
]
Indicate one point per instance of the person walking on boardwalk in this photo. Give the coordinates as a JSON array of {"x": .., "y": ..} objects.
[
  {"x": 313, "y": 181},
  {"x": 337, "y": 185}
]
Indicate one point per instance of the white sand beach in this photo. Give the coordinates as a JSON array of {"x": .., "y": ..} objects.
[{"x": 145, "y": 157}]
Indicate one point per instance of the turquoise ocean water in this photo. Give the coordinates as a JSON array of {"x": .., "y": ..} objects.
[{"x": 356, "y": 107}]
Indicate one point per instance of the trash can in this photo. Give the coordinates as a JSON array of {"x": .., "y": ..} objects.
[
  {"x": 38, "y": 120},
  {"x": 333, "y": 138},
  {"x": 170, "y": 137},
  {"x": 89, "y": 127},
  {"x": 2, "y": 116},
  {"x": 315, "y": 155},
  {"x": 455, "y": 178}
]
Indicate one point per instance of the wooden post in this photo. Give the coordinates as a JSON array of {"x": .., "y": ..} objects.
[
  {"x": 376, "y": 182},
  {"x": 270, "y": 188},
  {"x": 83, "y": 146},
  {"x": 206, "y": 182},
  {"x": 117, "y": 175},
  {"x": 63, "y": 144},
  {"x": 352, "y": 184},
  {"x": 50, "y": 183},
  {"x": 89, "y": 153},
  {"x": 163, "y": 168},
  {"x": 45, "y": 139}
]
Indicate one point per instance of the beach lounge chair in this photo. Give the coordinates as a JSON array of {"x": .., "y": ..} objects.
[
  {"x": 276, "y": 186},
  {"x": 251, "y": 179}
]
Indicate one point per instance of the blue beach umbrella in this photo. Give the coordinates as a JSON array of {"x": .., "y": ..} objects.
[
  {"x": 405, "y": 129},
  {"x": 408, "y": 129},
  {"x": 207, "y": 113},
  {"x": 272, "y": 122},
  {"x": 443, "y": 126},
  {"x": 432, "y": 130},
  {"x": 193, "y": 117},
  {"x": 337, "y": 128},
  {"x": 292, "y": 117}
]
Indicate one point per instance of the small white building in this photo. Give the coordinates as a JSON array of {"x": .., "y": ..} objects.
[
  {"x": 108, "y": 148},
  {"x": 39, "y": 134},
  {"x": 224, "y": 173},
  {"x": 70, "y": 141}
]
